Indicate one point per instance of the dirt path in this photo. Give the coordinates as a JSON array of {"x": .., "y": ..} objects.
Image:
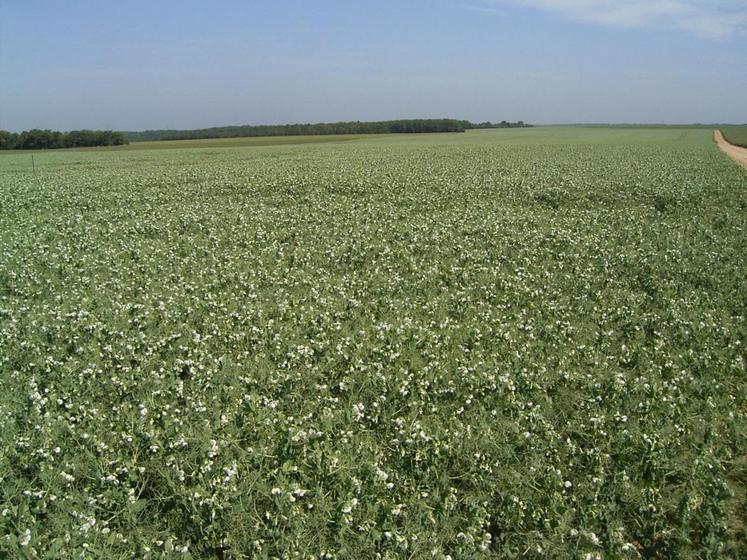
[{"x": 734, "y": 152}]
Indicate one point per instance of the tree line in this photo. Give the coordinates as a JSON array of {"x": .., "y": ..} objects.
[
  {"x": 404, "y": 126},
  {"x": 38, "y": 139},
  {"x": 502, "y": 124}
]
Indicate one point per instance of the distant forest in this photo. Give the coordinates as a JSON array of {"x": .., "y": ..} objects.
[
  {"x": 354, "y": 127},
  {"x": 37, "y": 139}
]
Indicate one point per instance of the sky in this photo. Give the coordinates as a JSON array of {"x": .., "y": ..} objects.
[{"x": 156, "y": 64}]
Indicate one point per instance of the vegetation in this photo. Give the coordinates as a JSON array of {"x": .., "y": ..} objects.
[
  {"x": 222, "y": 143},
  {"x": 354, "y": 127},
  {"x": 736, "y": 135},
  {"x": 37, "y": 139},
  {"x": 500, "y": 344},
  {"x": 649, "y": 125}
]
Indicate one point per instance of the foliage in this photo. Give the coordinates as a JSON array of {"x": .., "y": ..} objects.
[
  {"x": 354, "y": 127},
  {"x": 37, "y": 139},
  {"x": 502, "y": 344}
]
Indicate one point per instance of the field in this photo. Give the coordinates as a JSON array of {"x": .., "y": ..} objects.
[
  {"x": 736, "y": 134},
  {"x": 497, "y": 344},
  {"x": 210, "y": 143}
]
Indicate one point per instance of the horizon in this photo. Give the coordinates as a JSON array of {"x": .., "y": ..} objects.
[
  {"x": 185, "y": 66},
  {"x": 309, "y": 123}
]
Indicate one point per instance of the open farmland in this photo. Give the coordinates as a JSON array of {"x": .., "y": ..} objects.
[
  {"x": 497, "y": 344},
  {"x": 737, "y": 135}
]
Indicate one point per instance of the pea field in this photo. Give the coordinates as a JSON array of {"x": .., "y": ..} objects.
[{"x": 497, "y": 344}]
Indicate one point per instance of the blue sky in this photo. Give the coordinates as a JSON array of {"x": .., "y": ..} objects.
[{"x": 183, "y": 64}]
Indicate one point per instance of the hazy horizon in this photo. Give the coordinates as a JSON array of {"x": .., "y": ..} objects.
[
  {"x": 570, "y": 124},
  {"x": 186, "y": 65}
]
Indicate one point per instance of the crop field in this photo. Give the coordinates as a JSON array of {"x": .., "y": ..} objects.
[
  {"x": 736, "y": 134},
  {"x": 213, "y": 143},
  {"x": 496, "y": 344}
]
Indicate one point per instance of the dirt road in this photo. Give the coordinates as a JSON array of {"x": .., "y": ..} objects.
[{"x": 734, "y": 152}]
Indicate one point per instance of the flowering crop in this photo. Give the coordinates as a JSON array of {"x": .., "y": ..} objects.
[{"x": 501, "y": 344}]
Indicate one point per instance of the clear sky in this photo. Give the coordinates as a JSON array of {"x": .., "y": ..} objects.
[{"x": 132, "y": 65}]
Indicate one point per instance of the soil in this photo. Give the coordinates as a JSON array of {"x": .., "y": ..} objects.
[{"x": 734, "y": 152}]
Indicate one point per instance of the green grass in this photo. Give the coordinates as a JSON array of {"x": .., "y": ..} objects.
[
  {"x": 735, "y": 134},
  {"x": 498, "y": 344}
]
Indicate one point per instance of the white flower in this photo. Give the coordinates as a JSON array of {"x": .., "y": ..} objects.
[
  {"x": 26, "y": 539},
  {"x": 358, "y": 411},
  {"x": 350, "y": 506}
]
